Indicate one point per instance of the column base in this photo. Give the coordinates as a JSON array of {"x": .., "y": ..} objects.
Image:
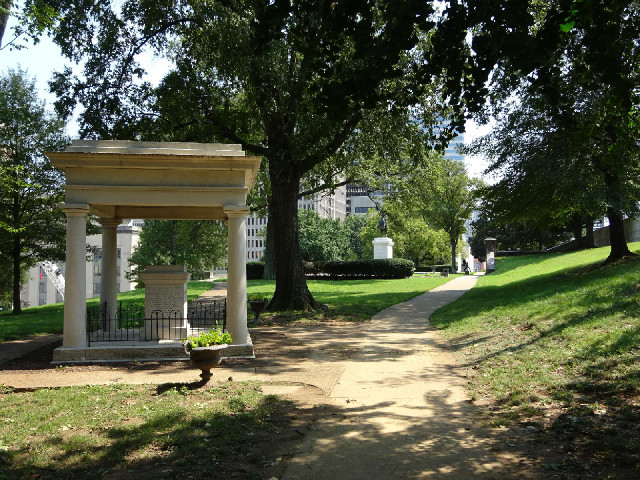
[{"x": 163, "y": 350}]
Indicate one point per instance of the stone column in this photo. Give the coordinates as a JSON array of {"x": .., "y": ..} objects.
[
  {"x": 109, "y": 274},
  {"x": 75, "y": 297},
  {"x": 237, "y": 274},
  {"x": 490, "y": 245}
]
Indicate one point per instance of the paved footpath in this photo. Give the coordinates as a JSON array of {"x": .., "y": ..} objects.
[{"x": 405, "y": 413}]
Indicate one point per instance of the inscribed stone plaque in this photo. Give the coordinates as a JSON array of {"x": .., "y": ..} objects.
[{"x": 165, "y": 301}]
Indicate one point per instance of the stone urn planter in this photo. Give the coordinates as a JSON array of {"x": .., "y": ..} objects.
[
  {"x": 205, "y": 350},
  {"x": 206, "y": 358},
  {"x": 257, "y": 306}
]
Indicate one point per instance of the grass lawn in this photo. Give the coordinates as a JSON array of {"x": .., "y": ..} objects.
[
  {"x": 349, "y": 300},
  {"x": 556, "y": 338},
  {"x": 49, "y": 318},
  {"x": 142, "y": 431}
]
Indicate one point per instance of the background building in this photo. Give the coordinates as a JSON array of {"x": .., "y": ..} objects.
[
  {"x": 332, "y": 206},
  {"x": 40, "y": 289}
]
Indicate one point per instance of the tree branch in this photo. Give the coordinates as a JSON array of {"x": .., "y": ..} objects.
[
  {"x": 233, "y": 136},
  {"x": 333, "y": 145},
  {"x": 325, "y": 186}
]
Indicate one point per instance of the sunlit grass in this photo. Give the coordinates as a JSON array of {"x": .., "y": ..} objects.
[
  {"x": 552, "y": 331},
  {"x": 49, "y": 318},
  {"x": 351, "y": 300}
]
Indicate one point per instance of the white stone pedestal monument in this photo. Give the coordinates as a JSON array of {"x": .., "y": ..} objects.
[
  {"x": 165, "y": 301},
  {"x": 382, "y": 247},
  {"x": 490, "y": 244}
]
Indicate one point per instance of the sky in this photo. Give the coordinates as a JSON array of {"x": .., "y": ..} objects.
[{"x": 42, "y": 59}]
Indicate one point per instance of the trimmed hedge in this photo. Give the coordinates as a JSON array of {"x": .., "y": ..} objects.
[
  {"x": 358, "y": 269},
  {"x": 433, "y": 268},
  {"x": 255, "y": 270}
]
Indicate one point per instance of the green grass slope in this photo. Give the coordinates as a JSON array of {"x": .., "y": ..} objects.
[
  {"x": 555, "y": 333},
  {"x": 49, "y": 318}
]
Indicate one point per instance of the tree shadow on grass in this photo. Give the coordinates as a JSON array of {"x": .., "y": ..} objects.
[{"x": 183, "y": 442}]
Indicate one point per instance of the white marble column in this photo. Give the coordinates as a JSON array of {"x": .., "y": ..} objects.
[
  {"x": 237, "y": 274},
  {"x": 75, "y": 297},
  {"x": 109, "y": 273}
]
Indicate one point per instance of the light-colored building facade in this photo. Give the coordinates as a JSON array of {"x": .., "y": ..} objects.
[
  {"x": 40, "y": 289},
  {"x": 332, "y": 206}
]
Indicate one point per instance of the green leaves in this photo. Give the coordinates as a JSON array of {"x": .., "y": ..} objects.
[
  {"x": 197, "y": 244},
  {"x": 32, "y": 228},
  {"x": 565, "y": 27},
  {"x": 207, "y": 339}
]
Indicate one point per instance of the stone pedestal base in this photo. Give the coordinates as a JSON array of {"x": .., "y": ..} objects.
[
  {"x": 382, "y": 247},
  {"x": 169, "y": 350},
  {"x": 165, "y": 301}
]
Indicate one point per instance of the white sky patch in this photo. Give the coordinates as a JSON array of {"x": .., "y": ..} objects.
[
  {"x": 476, "y": 164},
  {"x": 41, "y": 60}
]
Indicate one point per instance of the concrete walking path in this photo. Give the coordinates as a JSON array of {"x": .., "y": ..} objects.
[
  {"x": 405, "y": 412},
  {"x": 13, "y": 349}
]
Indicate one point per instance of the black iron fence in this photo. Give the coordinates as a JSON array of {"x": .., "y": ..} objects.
[{"x": 132, "y": 325}]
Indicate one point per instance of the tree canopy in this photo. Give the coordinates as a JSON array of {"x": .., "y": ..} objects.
[
  {"x": 292, "y": 81},
  {"x": 32, "y": 228},
  {"x": 569, "y": 146},
  {"x": 199, "y": 245}
]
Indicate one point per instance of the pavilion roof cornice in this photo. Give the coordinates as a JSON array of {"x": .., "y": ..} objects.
[{"x": 152, "y": 161}]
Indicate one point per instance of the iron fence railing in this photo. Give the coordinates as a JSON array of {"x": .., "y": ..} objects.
[{"x": 132, "y": 325}]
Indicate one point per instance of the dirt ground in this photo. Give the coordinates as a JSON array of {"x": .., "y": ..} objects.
[{"x": 546, "y": 450}]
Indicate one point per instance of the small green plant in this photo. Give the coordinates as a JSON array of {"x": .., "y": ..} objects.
[
  {"x": 256, "y": 298},
  {"x": 206, "y": 339}
]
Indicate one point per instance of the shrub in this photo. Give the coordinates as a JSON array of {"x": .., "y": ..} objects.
[
  {"x": 381, "y": 268},
  {"x": 255, "y": 270},
  {"x": 433, "y": 268}
]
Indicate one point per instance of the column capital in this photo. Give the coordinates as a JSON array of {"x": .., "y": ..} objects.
[
  {"x": 74, "y": 209},
  {"x": 110, "y": 222},
  {"x": 236, "y": 211}
]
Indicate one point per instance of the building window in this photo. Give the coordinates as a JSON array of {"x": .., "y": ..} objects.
[{"x": 96, "y": 288}]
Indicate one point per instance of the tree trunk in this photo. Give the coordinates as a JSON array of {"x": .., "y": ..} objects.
[
  {"x": 576, "y": 227},
  {"x": 173, "y": 246},
  {"x": 17, "y": 306},
  {"x": 619, "y": 248},
  {"x": 4, "y": 17},
  {"x": 269, "y": 269},
  {"x": 291, "y": 292},
  {"x": 454, "y": 247},
  {"x": 590, "y": 241}
]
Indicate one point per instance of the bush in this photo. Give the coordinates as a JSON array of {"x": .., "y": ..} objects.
[
  {"x": 433, "y": 268},
  {"x": 255, "y": 270},
  {"x": 381, "y": 268}
]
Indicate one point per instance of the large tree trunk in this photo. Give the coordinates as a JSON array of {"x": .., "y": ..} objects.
[
  {"x": 269, "y": 269},
  {"x": 291, "y": 292},
  {"x": 17, "y": 306},
  {"x": 619, "y": 248},
  {"x": 454, "y": 247},
  {"x": 576, "y": 227}
]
